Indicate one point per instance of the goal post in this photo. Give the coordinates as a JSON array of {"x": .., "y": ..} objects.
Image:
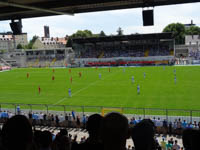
[{"x": 104, "y": 111}]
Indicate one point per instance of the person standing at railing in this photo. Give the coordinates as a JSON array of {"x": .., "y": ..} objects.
[{"x": 18, "y": 109}]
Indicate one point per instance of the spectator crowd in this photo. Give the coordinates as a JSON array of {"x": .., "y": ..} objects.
[
  {"x": 110, "y": 53},
  {"x": 105, "y": 133}
]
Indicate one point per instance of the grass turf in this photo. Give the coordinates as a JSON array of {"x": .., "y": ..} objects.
[{"x": 114, "y": 89}]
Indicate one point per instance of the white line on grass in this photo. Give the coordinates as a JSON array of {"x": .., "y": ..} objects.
[{"x": 61, "y": 100}]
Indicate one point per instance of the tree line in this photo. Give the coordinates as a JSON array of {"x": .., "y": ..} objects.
[{"x": 178, "y": 31}]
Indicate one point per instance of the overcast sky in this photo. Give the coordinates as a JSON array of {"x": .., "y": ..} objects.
[{"x": 130, "y": 20}]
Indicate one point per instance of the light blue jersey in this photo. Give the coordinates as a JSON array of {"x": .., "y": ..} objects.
[
  {"x": 18, "y": 109},
  {"x": 138, "y": 89},
  {"x": 123, "y": 69},
  {"x": 69, "y": 92},
  {"x": 99, "y": 76},
  {"x": 175, "y": 79},
  {"x": 132, "y": 79},
  {"x": 174, "y": 71},
  {"x": 144, "y": 75}
]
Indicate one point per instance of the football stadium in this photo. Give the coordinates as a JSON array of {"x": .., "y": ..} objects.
[{"x": 137, "y": 91}]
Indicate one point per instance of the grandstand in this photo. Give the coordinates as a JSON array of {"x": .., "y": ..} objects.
[
  {"x": 49, "y": 57},
  {"x": 59, "y": 57},
  {"x": 138, "y": 49}
]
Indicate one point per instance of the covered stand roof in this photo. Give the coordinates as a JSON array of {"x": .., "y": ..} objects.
[
  {"x": 157, "y": 36},
  {"x": 16, "y": 9}
]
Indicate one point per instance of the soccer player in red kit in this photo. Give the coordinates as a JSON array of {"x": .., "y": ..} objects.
[
  {"x": 69, "y": 70},
  {"x": 53, "y": 78},
  {"x": 80, "y": 74},
  {"x": 27, "y": 75},
  {"x": 71, "y": 79},
  {"x": 39, "y": 89}
]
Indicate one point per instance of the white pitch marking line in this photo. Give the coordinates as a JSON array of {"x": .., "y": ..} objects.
[{"x": 81, "y": 90}]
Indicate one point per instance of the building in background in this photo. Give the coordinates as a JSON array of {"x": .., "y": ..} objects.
[
  {"x": 192, "y": 40},
  {"x": 46, "y": 32},
  {"x": 9, "y": 42},
  {"x": 48, "y": 43},
  {"x": 187, "y": 26}
]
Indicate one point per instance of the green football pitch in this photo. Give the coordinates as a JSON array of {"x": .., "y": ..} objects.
[{"x": 114, "y": 89}]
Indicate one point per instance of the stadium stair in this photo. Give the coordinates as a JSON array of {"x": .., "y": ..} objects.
[
  {"x": 172, "y": 53},
  {"x": 53, "y": 61},
  {"x": 4, "y": 62},
  {"x": 37, "y": 62},
  {"x": 146, "y": 53},
  {"x": 101, "y": 55}
]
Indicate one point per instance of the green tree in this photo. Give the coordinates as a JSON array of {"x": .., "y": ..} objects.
[
  {"x": 120, "y": 31},
  {"x": 193, "y": 30},
  {"x": 178, "y": 30},
  {"x": 69, "y": 42},
  {"x": 19, "y": 46},
  {"x": 102, "y": 34},
  {"x": 32, "y": 41},
  {"x": 82, "y": 34}
]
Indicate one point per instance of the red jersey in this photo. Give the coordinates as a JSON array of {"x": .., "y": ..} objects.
[
  {"x": 71, "y": 79},
  {"x": 80, "y": 74},
  {"x": 39, "y": 89},
  {"x": 27, "y": 75},
  {"x": 53, "y": 78}
]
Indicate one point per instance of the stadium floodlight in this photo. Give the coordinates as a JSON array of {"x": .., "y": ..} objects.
[{"x": 35, "y": 8}]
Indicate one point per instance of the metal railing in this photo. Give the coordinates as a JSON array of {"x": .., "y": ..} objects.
[{"x": 168, "y": 114}]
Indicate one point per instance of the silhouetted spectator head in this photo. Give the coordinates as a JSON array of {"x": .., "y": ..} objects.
[
  {"x": 37, "y": 137},
  {"x": 143, "y": 135},
  {"x": 187, "y": 135},
  {"x": 93, "y": 125},
  {"x": 46, "y": 139},
  {"x": 61, "y": 142},
  {"x": 115, "y": 131},
  {"x": 63, "y": 132},
  {"x": 17, "y": 133},
  {"x": 191, "y": 139}
]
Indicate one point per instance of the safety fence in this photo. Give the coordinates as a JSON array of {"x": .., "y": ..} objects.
[{"x": 168, "y": 114}]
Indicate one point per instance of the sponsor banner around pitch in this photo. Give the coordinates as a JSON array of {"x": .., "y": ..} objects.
[{"x": 5, "y": 68}]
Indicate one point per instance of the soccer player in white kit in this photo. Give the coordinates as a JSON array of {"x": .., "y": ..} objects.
[
  {"x": 70, "y": 92},
  {"x": 99, "y": 76},
  {"x": 138, "y": 89},
  {"x": 132, "y": 79}
]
